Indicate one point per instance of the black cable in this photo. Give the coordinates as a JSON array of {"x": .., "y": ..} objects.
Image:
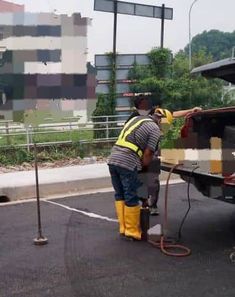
[{"x": 189, "y": 205}]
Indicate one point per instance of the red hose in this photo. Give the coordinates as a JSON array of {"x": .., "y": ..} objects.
[{"x": 163, "y": 245}]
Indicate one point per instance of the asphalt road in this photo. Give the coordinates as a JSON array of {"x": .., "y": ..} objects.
[{"x": 86, "y": 258}]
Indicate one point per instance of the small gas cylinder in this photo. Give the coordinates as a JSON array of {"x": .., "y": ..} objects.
[{"x": 144, "y": 222}]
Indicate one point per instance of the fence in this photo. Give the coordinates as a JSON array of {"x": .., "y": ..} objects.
[{"x": 18, "y": 134}]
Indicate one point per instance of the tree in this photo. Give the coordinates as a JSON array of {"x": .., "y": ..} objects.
[
  {"x": 160, "y": 62},
  {"x": 102, "y": 108},
  {"x": 169, "y": 80},
  {"x": 214, "y": 42},
  {"x": 151, "y": 78},
  {"x": 186, "y": 90}
]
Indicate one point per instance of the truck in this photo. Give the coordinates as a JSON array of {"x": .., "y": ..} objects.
[{"x": 205, "y": 151}]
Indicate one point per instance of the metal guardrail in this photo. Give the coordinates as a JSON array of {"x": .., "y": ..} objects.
[{"x": 9, "y": 131}]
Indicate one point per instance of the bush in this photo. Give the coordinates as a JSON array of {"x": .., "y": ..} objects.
[{"x": 15, "y": 156}]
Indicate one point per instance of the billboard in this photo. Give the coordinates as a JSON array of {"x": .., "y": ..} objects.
[{"x": 135, "y": 9}]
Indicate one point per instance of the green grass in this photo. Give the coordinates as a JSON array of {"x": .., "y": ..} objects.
[
  {"x": 18, "y": 155},
  {"x": 12, "y": 140},
  {"x": 55, "y": 136},
  {"x": 14, "y": 155},
  {"x": 73, "y": 136}
]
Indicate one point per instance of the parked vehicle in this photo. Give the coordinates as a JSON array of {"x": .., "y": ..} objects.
[{"x": 206, "y": 148}]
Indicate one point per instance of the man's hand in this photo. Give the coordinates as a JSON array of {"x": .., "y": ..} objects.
[{"x": 196, "y": 109}]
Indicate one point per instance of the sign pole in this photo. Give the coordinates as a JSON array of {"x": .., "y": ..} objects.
[
  {"x": 162, "y": 25},
  {"x": 115, "y": 28}
]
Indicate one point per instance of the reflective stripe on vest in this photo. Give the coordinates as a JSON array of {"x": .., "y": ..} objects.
[{"x": 127, "y": 130}]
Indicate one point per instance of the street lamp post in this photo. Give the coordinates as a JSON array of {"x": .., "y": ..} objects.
[{"x": 189, "y": 45}]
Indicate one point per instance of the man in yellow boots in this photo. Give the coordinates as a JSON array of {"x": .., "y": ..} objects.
[
  {"x": 134, "y": 149},
  {"x": 143, "y": 106}
]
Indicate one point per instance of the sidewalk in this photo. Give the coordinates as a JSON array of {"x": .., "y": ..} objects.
[
  {"x": 57, "y": 181},
  {"x": 64, "y": 181}
]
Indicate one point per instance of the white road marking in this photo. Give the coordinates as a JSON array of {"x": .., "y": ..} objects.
[{"x": 88, "y": 214}]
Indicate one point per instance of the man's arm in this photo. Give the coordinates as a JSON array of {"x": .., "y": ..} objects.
[
  {"x": 147, "y": 157},
  {"x": 183, "y": 113}
]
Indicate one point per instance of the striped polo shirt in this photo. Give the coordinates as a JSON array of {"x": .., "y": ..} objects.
[{"x": 147, "y": 135}]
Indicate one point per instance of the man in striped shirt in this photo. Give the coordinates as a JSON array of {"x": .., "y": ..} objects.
[
  {"x": 142, "y": 104},
  {"x": 133, "y": 150}
]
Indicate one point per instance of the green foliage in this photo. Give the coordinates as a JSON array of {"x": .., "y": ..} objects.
[
  {"x": 180, "y": 65},
  {"x": 139, "y": 72},
  {"x": 152, "y": 78},
  {"x": 229, "y": 98},
  {"x": 168, "y": 139},
  {"x": 106, "y": 105},
  {"x": 102, "y": 108},
  {"x": 14, "y": 156},
  {"x": 50, "y": 136},
  {"x": 173, "y": 87},
  {"x": 160, "y": 62},
  {"x": 201, "y": 57},
  {"x": 112, "y": 86},
  {"x": 214, "y": 42},
  {"x": 207, "y": 93},
  {"x": 18, "y": 156}
]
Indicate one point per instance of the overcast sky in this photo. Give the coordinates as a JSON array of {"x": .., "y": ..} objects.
[{"x": 139, "y": 34}]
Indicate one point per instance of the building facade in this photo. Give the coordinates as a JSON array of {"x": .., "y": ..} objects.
[
  {"x": 44, "y": 71},
  {"x": 6, "y": 6}
]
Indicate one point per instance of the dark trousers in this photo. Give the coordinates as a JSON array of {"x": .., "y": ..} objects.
[{"x": 125, "y": 183}]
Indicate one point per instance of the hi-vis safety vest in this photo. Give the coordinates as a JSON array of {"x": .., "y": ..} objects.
[{"x": 129, "y": 128}]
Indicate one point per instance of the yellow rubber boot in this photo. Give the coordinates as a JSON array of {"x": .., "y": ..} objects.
[
  {"x": 132, "y": 222},
  {"x": 120, "y": 214}
]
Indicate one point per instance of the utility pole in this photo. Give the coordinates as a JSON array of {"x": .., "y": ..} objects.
[{"x": 190, "y": 41}]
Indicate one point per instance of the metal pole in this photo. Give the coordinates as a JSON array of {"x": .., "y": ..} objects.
[
  {"x": 233, "y": 52},
  {"x": 162, "y": 25},
  {"x": 190, "y": 45},
  {"x": 115, "y": 27},
  {"x": 40, "y": 240},
  {"x": 7, "y": 133},
  {"x": 30, "y": 134},
  {"x": 27, "y": 138},
  {"x": 114, "y": 50},
  {"x": 70, "y": 130},
  {"x": 107, "y": 127}
]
